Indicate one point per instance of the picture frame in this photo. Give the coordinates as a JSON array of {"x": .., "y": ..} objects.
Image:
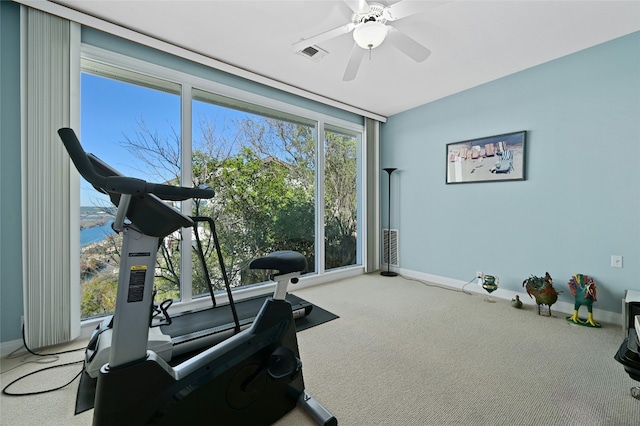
[{"x": 490, "y": 159}]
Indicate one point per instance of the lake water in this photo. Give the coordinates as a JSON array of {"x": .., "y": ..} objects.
[{"x": 95, "y": 234}]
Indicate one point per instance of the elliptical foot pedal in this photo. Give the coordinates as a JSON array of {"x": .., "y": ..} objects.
[{"x": 283, "y": 363}]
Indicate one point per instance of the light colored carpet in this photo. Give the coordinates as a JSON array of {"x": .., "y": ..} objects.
[{"x": 406, "y": 353}]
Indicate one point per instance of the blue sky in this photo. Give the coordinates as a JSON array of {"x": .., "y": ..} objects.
[{"x": 110, "y": 110}]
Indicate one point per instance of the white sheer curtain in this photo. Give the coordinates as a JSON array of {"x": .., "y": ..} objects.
[{"x": 50, "y": 259}]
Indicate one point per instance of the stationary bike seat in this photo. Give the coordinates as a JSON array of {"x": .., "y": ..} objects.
[{"x": 284, "y": 261}]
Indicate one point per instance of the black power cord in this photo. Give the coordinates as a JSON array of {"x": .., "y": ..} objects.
[
  {"x": 24, "y": 342},
  {"x": 428, "y": 284},
  {"x": 5, "y": 390}
]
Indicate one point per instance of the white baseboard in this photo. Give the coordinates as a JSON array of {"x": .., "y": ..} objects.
[{"x": 564, "y": 307}]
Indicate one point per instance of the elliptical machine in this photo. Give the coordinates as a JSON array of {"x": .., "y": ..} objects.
[{"x": 252, "y": 378}]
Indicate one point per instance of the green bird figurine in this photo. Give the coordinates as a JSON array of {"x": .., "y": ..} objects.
[
  {"x": 584, "y": 290},
  {"x": 516, "y": 302}
]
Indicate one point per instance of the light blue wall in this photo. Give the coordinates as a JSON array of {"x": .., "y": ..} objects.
[
  {"x": 11, "y": 306},
  {"x": 580, "y": 203}
]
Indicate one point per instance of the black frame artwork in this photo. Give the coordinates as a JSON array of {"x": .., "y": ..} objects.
[{"x": 489, "y": 159}]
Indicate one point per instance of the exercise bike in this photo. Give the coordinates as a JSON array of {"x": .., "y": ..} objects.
[
  {"x": 252, "y": 378},
  {"x": 172, "y": 336}
]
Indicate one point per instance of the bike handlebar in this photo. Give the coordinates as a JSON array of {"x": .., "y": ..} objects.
[{"x": 122, "y": 184}]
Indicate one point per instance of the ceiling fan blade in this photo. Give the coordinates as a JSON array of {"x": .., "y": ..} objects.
[
  {"x": 407, "y": 45},
  {"x": 405, "y": 8},
  {"x": 358, "y": 6},
  {"x": 354, "y": 63},
  {"x": 319, "y": 38}
]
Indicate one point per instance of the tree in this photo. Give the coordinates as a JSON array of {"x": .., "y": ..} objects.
[
  {"x": 340, "y": 200},
  {"x": 263, "y": 172},
  {"x": 263, "y": 184}
]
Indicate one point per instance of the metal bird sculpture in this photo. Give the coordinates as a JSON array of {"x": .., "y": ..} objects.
[
  {"x": 584, "y": 290},
  {"x": 542, "y": 290}
]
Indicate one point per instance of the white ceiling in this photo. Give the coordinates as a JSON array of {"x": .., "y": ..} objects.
[{"x": 472, "y": 42}]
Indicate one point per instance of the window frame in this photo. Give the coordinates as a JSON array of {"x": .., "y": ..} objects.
[
  {"x": 360, "y": 138},
  {"x": 188, "y": 83}
]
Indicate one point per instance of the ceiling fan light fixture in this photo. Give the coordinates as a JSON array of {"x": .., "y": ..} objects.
[{"x": 370, "y": 35}]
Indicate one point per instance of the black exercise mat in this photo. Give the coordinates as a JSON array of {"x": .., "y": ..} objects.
[
  {"x": 86, "y": 393},
  {"x": 221, "y": 315},
  {"x": 317, "y": 316}
]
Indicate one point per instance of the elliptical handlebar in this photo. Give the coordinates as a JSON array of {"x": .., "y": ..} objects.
[{"x": 121, "y": 184}]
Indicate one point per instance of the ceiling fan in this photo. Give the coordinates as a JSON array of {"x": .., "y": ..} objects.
[{"x": 372, "y": 24}]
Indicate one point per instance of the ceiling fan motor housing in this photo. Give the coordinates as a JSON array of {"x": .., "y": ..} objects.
[
  {"x": 375, "y": 13},
  {"x": 370, "y": 30}
]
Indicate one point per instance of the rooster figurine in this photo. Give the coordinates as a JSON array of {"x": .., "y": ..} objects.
[
  {"x": 584, "y": 290},
  {"x": 542, "y": 290}
]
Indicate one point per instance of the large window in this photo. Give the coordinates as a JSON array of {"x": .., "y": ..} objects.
[
  {"x": 131, "y": 122},
  {"x": 341, "y": 170},
  {"x": 261, "y": 163},
  {"x": 260, "y": 157}
]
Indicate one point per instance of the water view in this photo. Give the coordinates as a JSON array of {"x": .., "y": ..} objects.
[
  {"x": 95, "y": 224},
  {"x": 95, "y": 233}
]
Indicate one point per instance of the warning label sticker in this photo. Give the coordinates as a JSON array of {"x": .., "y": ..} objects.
[{"x": 137, "y": 278}]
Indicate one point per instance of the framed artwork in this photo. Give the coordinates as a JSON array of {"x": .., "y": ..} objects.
[{"x": 491, "y": 159}]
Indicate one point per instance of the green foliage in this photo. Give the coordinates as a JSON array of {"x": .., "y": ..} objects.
[
  {"x": 98, "y": 295},
  {"x": 340, "y": 200},
  {"x": 258, "y": 210}
]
